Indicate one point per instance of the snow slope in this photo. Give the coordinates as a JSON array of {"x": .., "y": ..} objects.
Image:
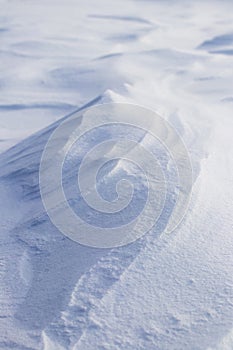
[{"x": 163, "y": 291}]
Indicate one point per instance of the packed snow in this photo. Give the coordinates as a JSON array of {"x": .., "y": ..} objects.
[{"x": 163, "y": 291}]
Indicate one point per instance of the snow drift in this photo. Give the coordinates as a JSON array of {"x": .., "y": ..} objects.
[{"x": 161, "y": 292}]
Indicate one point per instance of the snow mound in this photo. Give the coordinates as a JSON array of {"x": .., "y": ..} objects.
[{"x": 163, "y": 291}]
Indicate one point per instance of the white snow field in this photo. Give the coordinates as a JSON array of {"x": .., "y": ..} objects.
[{"x": 164, "y": 291}]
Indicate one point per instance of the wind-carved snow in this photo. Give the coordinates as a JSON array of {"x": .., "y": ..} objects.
[{"x": 161, "y": 292}]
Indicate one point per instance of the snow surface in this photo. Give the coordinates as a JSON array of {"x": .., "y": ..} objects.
[{"x": 163, "y": 292}]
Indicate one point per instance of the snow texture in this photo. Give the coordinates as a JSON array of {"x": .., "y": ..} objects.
[{"x": 162, "y": 292}]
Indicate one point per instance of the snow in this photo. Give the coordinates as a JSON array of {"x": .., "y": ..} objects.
[{"x": 163, "y": 291}]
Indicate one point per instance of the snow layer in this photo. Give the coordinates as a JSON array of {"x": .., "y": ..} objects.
[{"x": 163, "y": 291}]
